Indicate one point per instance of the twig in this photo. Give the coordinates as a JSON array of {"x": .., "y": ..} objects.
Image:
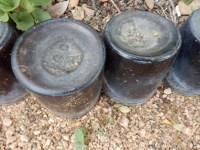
[
  {"x": 193, "y": 132},
  {"x": 116, "y": 7},
  {"x": 172, "y": 11},
  {"x": 163, "y": 11}
]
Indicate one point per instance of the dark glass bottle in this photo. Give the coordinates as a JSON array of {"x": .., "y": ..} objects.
[
  {"x": 184, "y": 77},
  {"x": 141, "y": 47},
  {"x": 61, "y": 63},
  {"x": 10, "y": 90}
]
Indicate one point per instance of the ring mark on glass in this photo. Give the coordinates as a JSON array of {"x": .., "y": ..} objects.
[
  {"x": 63, "y": 56},
  {"x": 132, "y": 34}
]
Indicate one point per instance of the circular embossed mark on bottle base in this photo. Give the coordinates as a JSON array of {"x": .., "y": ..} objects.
[
  {"x": 63, "y": 56},
  {"x": 134, "y": 34},
  {"x": 142, "y": 33},
  {"x": 59, "y": 56}
]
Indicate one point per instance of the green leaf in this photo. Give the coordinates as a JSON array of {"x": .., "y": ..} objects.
[
  {"x": 117, "y": 105},
  {"x": 179, "y": 127},
  {"x": 40, "y": 15},
  {"x": 79, "y": 135},
  {"x": 23, "y": 20},
  {"x": 95, "y": 126},
  {"x": 187, "y": 2},
  {"x": 79, "y": 139},
  {"x": 4, "y": 16},
  {"x": 41, "y": 2},
  {"x": 9, "y": 5},
  {"x": 15, "y": 17},
  {"x": 101, "y": 132},
  {"x": 80, "y": 146},
  {"x": 26, "y": 5},
  {"x": 122, "y": 108}
]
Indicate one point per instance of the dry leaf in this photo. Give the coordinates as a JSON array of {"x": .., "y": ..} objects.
[
  {"x": 124, "y": 109},
  {"x": 105, "y": 20},
  {"x": 73, "y": 3},
  {"x": 117, "y": 105},
  {"x": 78, "y": 13},
  {"x": 88, "y": 12},
  {"x": 166, "y": 122},
  {"x": 58, "y": 9},
  {"x": 179, "y": 127},
  {"x": 150, "y": 3},
  {"x": 188, "y": 9},
  {"x": 96, "y": 27}
]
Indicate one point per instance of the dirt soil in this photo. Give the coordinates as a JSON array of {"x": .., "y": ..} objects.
[{"x": 168, "y": 121}]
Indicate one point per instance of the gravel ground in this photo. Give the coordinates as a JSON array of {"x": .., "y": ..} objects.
[
  {"x": 30, "y": 126},
  {"x": 167, "y": 121}
]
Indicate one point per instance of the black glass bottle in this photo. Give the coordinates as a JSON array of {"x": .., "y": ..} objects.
[
  {"x": 61, "y": 63},
  {"x": 141, "y": 47},
  {"x": 184, "y": 77},
  {"x": 10, "y": 89}
]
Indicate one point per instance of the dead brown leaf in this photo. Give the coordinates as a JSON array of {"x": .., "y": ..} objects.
[
  {"x": 105, "y": 20},
  {"x": 166, "y": 122},
  {"x": 150, "y": 3},
  {"x": 58, "y": 9},
  {"x": 88, "y": 12},
  {"x": 78, "y": 13}
]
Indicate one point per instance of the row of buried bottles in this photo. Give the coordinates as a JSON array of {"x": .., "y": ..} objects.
[{"x": 61, "y": 61}]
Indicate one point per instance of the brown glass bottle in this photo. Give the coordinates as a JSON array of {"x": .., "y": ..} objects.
[
  {"x": 184, "y": 77},
  {"x": 141, "y": 47},
  {"x": 10, "y": 89},
  {"x": 61, "y": 63}
]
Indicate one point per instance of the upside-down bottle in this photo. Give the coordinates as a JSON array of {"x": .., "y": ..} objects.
[
  {"x": 10, "y": 89},
  {"x": 141, "y": 47},
  {"x": 184, "y": 77},
  {"x": 61, "y": 63}
]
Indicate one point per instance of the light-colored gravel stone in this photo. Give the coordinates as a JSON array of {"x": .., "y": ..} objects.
[
  {"x": 24, "y": 138},
  {"x": 7, "y": 122},
  {"x": 168, "y": 91},
  {"x": 37, "y": 132},
  {"x": 124, "y": 122}
]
